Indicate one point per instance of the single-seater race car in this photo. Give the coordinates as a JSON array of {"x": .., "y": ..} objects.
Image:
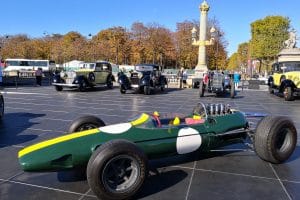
[{"x": 116, "y": 156}]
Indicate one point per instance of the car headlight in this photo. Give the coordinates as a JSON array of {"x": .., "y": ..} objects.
[
  {"x": 54, "y": 80},
  {"x": 63, "y": 74}
]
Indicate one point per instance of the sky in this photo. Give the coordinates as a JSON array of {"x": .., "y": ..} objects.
[{"x": 39, "y": 17}]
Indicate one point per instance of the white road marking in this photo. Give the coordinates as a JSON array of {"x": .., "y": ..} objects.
[
  {"x": 48, "y": 188},
  {"x": 42, "y": 94}
]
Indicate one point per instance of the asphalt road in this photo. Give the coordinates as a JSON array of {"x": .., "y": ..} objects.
[{"x": 34, "y": 114}]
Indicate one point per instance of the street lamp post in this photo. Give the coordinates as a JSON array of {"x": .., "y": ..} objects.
[
  {"x": 201, "y": 67},
  {"x": 216, "y": 34}
]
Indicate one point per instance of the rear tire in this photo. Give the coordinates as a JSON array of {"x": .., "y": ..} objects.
[
  {"x": 110, "y": 83},
  {"x": 85, "y": 123},
  {"x": 275, "y": 139},
  {"x": 288, "y": 94},
  {"x": 117, "y": 170}
]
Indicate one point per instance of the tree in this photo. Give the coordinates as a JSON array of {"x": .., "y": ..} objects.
[
  {"x": 233, "y": 62},
  {"x": 267, "y": 37},
  {"x": 243, "y": 55},
  {"x": 186, "y": 53}
]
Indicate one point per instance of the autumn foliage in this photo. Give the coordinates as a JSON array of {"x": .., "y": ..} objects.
[{"x": 151, "y": 43}]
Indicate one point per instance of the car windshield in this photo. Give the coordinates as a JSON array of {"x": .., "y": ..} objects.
[{"x": 290, "y": 66}]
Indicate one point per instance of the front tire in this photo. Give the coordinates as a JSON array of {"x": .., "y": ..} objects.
[
  {"x": 82, "y": 86},
  {"x": 85, "y": 123},
  {"x": 232, "y": 90},
  {"x": 58, "y": 88},
  {"x": 122, "y": 89},
  {"x": 288, "y": 94},
  {"x": 147, "y": 90},
  {"x": 201, "y": 89},
  {"x": 275, "y": 139},
  {"x": 117, "y": 170},
  {"x": 1, "y": 107}
]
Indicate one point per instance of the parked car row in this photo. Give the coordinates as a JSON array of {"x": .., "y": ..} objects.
[{"x": 144, "y": 78}]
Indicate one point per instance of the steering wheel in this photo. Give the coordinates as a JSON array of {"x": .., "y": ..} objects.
[{"x": 200, "y": 110}]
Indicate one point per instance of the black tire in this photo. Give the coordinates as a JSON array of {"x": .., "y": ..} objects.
[
  {"x": 162, "y": 87},
  {"x": 232, "y": 89},
  {"x": 122, "y": 89},
  {"x": 201, "y": 89},
  {"x": 58, "y": 88},
  {"x": 117, "y": 170},
  {"x": 85, "y": 123},
  {"x": 1, "y": 106},
  {"x": 271, "y": 90},
  {"x": 288, "y": 94},
  {"x": 109, "y": 82},
  {"x": 82, "y": 86},
  {"x": 275, "y": 139},
  {"x": 147, "y": 90}
]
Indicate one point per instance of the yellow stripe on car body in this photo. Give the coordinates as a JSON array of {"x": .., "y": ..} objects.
[{"x": 56, "y": 140}]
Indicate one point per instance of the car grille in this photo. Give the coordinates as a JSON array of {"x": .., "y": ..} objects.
[
  {"x": 69, "y": 80},
  {"x": 134, "y": 80}
]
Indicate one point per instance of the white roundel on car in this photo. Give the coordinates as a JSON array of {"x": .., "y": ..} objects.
[
  {"x": 116, "y": 128},
  {"x": 188, "y": 140}
]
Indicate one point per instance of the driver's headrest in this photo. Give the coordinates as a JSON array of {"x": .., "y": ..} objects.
[
  {"x": 155, "y": 113},
  {"x": 176, "y": 121}
]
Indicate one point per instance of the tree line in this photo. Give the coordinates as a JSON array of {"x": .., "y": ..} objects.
[
  {"x": 267, "y": 38},
  {"x": 152, "y": 43}
]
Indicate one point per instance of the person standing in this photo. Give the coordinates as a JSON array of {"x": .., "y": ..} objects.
[
  {"x": 180, "y": 76},
  {"x": 236, "y": 79},
  {"x": 184, "y": 78},
  {"x": 38, "y": 76}
]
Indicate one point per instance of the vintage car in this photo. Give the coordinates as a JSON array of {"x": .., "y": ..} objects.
[
  {"x": 145, "y": 78},
  {"x": 217, "y": 83},
  {"x": 285, "y": 79},
  {"x": 99, "y": 73},
  {"x": 116, "y": 156},
  {"x": 1, "y": 106}
]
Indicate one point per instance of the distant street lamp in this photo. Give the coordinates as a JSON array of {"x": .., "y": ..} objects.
[
  {"x": 201, "y": 67},
  {"x": 92, "y": 44}
]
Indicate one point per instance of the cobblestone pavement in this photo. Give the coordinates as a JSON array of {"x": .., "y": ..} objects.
[{"x": 34, "y": 114}]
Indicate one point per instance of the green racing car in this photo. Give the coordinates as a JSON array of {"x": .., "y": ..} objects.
[{"x": 116, "y": 156}]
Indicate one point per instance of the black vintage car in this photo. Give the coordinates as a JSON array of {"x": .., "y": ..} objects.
[
  {"x": 145, "y": 78},
  {"x": 218, "y": 83}
]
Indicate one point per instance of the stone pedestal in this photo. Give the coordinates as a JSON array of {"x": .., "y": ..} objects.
[{"x": 289, "y": 55}]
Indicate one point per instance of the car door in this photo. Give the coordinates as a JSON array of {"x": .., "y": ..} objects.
[{"x": 102, "y": 70}]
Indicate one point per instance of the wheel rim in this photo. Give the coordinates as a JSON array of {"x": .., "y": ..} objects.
[
  {"x": 87, "y": 126},
  {"x": 120, "y": 173},
  {"x": 283, "y": 140}
]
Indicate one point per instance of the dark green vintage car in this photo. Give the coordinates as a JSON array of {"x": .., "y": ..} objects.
[
  {"x": 90, "y": 75},
  {"x": 117, "y": 155}
]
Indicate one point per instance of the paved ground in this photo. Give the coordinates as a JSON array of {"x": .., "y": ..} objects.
[{"x": 37, "y": 113}]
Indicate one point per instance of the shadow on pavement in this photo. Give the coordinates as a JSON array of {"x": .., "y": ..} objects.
[{"x": 13, "y": 124}]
